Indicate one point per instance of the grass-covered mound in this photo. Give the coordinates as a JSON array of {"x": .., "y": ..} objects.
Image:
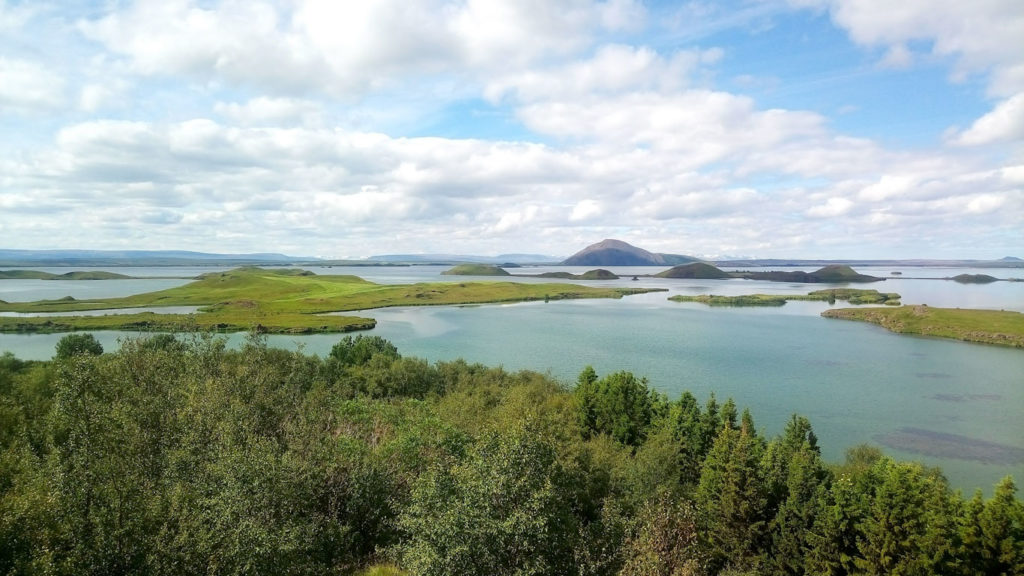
[
  {"x": 76, "y": 275},
  {"x": 834, "y": 273},
  {"x": 698, "y": 270},
  {"x": 974, "y": 279},
  {"x": 598, "y": 274},
  {"x": 476, "y": 270},
  {"x": 280, "y": 301},
  {"x": 983, "y": 326},
  {"x": 851, "y": 295}
]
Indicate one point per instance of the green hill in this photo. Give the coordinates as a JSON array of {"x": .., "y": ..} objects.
[
  {"x": 698, "y": 270},
  {"x": 476, "y": 270},
  {"x": 974, "y": 279},
  {"x": 834, "y": 273}
]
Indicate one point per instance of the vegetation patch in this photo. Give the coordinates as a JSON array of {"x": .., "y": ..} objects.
[
  {"x": 476, "y": 270},
  {"x": 280, "y": 301},
  {"x": 598, "y": 274},
  {"x": 178, "y": 455},
  {"x": 983, "y": 326},
  {"x": 851, "y": 295},
  {"x": 974, "y": 279},
  {"x": 698, "y": 270},
  {"x": 829, "y": 274}
]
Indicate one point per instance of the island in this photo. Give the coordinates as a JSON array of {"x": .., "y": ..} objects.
[
  {"x": 279, "y": 301},
  {"x": 833, "y": 273},
  {"x": 1004, "y": 328},
  {"x": 851, "y": 295},
  {"x": 598, "y": 274},
  {"x": 476, "y": 270},
  {"x": 974, "y": 279},
  {"x": 492, "y": 270},
  {"x": 75, "y": 275}
]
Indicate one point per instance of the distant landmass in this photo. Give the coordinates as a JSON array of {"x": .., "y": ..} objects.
[
  {"x": 77, "y": 275},
  {"x": 612, "y": 252},
  {"x": 828, "y": 274},
  {"x": 456, "y": 258},
  {"x": 136, "y": 258}
]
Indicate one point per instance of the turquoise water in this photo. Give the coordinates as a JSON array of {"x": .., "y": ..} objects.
[{"x": 856, "y": 382}]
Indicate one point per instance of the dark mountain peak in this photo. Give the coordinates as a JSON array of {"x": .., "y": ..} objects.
[{"x": 611, "y": 252}]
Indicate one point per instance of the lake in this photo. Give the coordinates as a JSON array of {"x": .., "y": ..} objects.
[{"x": 945, "y": 403}]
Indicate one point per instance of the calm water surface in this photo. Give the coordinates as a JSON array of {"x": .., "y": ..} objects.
[{"x": 856, "y": 382}]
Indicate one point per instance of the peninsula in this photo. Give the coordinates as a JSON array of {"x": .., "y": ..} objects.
[
  {"x": 278, "y": 301},
  {"x": 1004, "y": 328}
]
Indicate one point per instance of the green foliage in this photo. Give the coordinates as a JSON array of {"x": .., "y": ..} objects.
[
  {"x": 74, "y": 344},
  {"x": 358, "y": 351},
  {"x": 178, "y": 455},
  {"x": 498, "y": 512},
  {"x": 620, "y": 405}
]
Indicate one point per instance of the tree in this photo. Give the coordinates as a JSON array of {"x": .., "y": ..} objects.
[
  {"x": 499, "y": 512},
  {"x": 730, "y": 500},
  {"x": 619, "y": 405},
  {"x": 74, "y": 344},
  {"x": 358, "y": 351},
  {"x": 1002, "y": 531}
]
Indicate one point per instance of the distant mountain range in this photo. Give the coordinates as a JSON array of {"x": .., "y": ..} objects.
[
  {"x": 135, "y": 258},
  {"x": 453, "y": 258},
  {"x": 611, "y": 252},
  {"x": 607, "y": 252}
]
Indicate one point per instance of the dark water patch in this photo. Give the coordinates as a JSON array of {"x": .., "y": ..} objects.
[
  {"x": 935, "y": 375},
  {"x": 825, "y": 362},
  {"x": 954, "y": 446},
  {"x": 966, "y": 397}
]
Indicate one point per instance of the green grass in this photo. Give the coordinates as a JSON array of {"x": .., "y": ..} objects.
[
  {"x": 851, "y": 295},
  {"x": 280, "y": 301},
  {"x": 982, "y": 326}
]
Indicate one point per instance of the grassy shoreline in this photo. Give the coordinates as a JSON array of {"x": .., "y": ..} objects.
[
  {"x": 980, "y": 326},
  {"x": 281, "y": 301},
  {"x": 851, "y": 295}
]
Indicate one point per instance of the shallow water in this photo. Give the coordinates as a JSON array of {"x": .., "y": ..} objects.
[{"x": 951, "y": 404}]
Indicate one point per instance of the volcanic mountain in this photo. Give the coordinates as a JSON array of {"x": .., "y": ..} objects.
[{"x": 618, "y": 253}]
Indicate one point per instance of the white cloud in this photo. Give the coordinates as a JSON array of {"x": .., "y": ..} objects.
[
  {"x": 26, "y": 85},
  {"x": 264, "y": 110},
  {"x": 349, "y": 48},
  {"x": 983, "y": 36},
  {"x": 831, "y": 208},
  {"x": 1005, "y": 123},
  {"x": 613, "y": 69}
]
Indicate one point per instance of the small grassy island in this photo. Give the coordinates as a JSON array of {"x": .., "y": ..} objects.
[
  {"x": 828, "y": 274},
  {"x": 696, "y": 270},
  {"x": 982, "y": 326},
  {"x": 476, "y": 270},
  {"x": 974, "y": 279},
  {"x": 851, "y": 295},
  {"x": 598, "y": 274},
  {"x": 279, "y": 301},
  {"x": 76, "y": 275}
]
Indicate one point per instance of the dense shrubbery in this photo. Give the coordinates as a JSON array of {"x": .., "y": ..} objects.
[{"x": 179, "y": 456}]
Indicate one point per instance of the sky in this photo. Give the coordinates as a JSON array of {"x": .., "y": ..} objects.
[{"x": 345, "y": 129}]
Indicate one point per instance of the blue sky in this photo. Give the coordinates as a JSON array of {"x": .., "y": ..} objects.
[{"x": 768, "y": 128}]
